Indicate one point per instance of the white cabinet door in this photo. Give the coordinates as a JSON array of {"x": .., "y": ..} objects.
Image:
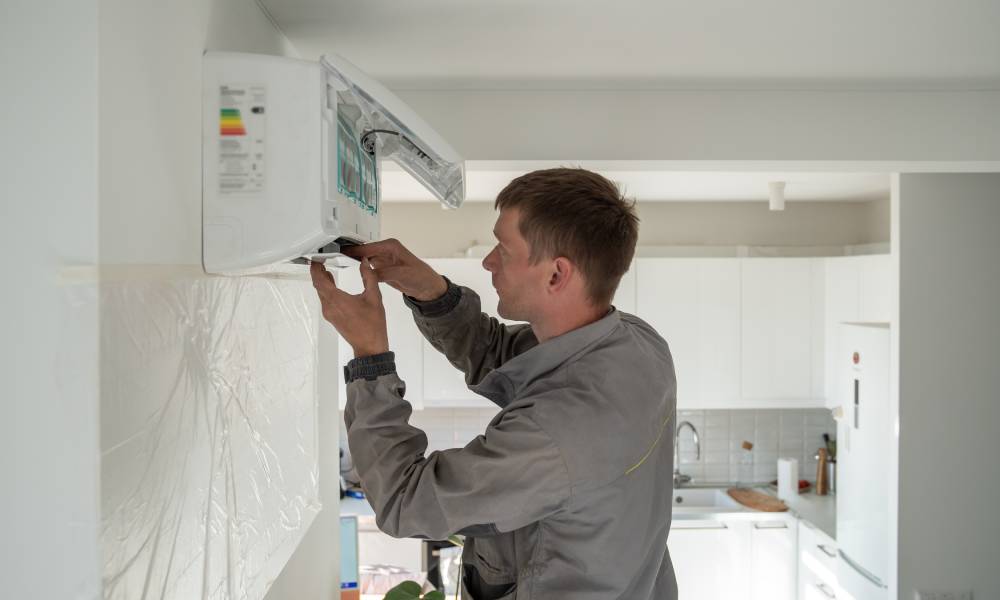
[
  {"x": 377, "y": 548},
  {"x": 875, "y": 288},
  {"x": 817, "y": 563},
  {"x": 857, "y": 289},
  {"x": 694, "y": 303},
  {"x": 624, "y": 299},
  {"x": 710, "y": 559},
  {"x": 842, "y": 291},
  {"x": 405, "y": 339},
  {"x": 443, "y": 384},
  {"x": 774, "y": 561},
  {"x": 778, "y": 332},
  {"x": 812, "y": 587}
]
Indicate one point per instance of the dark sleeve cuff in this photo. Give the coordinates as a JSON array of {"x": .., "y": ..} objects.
[
  {"x": 370, "y": 367},
  {"x": 439, "y": 306}
]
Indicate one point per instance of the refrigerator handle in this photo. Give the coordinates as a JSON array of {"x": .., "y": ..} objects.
[
  {"x": 861, "y": 570},
  {"x": 857, "y": 403}
]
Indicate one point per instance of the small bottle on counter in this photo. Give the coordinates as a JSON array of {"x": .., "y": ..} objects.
[
  {"x": 746, "y": 464},
  {"x": 822, "y": 480}
]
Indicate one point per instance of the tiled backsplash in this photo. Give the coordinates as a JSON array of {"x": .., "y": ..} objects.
[
  {"x": 775, "y": 433},
  {"x": 791, "y": 433}
]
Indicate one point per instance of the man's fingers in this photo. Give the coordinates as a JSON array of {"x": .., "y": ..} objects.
[
  {"x": 323, "y": 281},
  {"x": 370, "y": 279}
]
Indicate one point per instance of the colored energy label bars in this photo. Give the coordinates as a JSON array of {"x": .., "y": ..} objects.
[{"x": 230, "y": 122}]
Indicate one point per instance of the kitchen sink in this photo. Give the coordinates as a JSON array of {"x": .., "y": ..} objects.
[{"x": 703, "y": 498}]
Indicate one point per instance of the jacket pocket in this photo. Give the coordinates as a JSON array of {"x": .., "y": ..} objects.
[{"x": 474, "y": 587}]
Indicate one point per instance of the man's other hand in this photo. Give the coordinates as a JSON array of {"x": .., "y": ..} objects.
[
  {"x": 359, "y": 319},
  {"x": 398, "y": 267}
]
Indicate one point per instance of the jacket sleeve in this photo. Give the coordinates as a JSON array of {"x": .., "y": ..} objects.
[
  {"x": 509, "y": 477},
  {"x": 471, "y": 340}
]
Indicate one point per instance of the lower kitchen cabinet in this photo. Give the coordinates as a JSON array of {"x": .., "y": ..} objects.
[
  {"x": 710, "y": 559},
  {"x": 735, "y": 558},
  {"x": 817, "y": 564},
  {"x": 773, "y": 565},
  {"x": 812, "y": 587},
  {"x": 377, "y": 548}
]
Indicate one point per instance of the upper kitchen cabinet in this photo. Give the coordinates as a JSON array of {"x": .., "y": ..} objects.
[
  {"x": 781, "y": 332},
  {"x": 694, "y": 303},
  {"x": 404, "y": 339},
  {"x": 624, "y": 299},
  {"x": 875, "y": 297},
  {"x": 857, "y": 289},
  {"x": 444, "y": 385}
]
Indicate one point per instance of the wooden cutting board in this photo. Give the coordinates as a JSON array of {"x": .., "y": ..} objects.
[{"x": 757, "y": 500}]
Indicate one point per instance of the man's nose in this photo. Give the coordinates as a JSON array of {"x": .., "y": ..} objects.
[{"x": 488, "y": 261}]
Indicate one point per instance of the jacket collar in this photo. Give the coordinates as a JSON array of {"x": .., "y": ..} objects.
[{"x": 506, "y": 381}]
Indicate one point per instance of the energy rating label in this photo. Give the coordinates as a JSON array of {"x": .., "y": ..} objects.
[{"x": 242, "y": 132}]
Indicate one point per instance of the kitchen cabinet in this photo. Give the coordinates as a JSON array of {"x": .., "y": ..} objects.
[
  {"x": 726, "y": 557},
  {"x": 443, "y": 384},
  {"x": 405, "y": 340},
  {"x": 780, "y": 332},
  {"x": 875, "y": 289},
  {"x": 817, "y": 564},
  {"x": 842, "y": 290},
  {"x": 856, "y": 289},
  {"x": 625, "y": 295},
  {"x": 377, "y": 548},
  {"x": 694, "y": 303},
  {"x": 773, "y": 560},
  {"x": 744, "y": 333},
  {"x": 709, "y": 558}
]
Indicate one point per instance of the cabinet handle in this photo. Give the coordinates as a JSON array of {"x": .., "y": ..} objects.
[
  {"x": 779, "y": 526},
  {"x": 703, "y": 527},
  {"x": 826, "y": 551},
  {"x": 826, "y": 590}
]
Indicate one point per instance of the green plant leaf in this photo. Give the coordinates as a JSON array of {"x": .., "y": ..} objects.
[
  {"x": 435, "y": 595},
  {"x": 408, "y": 590}
]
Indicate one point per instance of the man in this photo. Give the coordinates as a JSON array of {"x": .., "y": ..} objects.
[{"x": 567, "y": 494}]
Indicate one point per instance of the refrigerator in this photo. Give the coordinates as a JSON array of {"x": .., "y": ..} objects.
[{"x": 864, "y": 438}]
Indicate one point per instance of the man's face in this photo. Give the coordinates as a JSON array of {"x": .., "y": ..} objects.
[{"x": 519, "y": 284}]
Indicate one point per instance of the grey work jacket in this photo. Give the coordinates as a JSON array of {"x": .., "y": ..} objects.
[{"x": 568, "y": 492}]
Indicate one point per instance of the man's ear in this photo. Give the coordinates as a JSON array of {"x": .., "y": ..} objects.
[{"x": 562, "y": 273}]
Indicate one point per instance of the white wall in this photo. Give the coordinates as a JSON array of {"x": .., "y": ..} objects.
[
  {"x": 211, "y": 434},
  {"x": 49, "y": 512},
  {"x": 150, "y": 111},
  {"x": 715, "y": 125},
  {"x": 949, "y": 403},
  {"x": 430, "y": 231}
]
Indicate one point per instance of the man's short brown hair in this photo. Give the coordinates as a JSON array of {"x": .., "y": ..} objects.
[{"x": 580, "y": 215}]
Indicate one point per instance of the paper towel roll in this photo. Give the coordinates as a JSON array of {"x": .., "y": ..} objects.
[{"x": 788, "y": 478}]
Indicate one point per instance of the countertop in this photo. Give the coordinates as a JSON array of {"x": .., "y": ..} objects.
[{"x": 820, "y": 511}]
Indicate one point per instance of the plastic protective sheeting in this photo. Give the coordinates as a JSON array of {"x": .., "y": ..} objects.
[{"x": 208, "y": 434}]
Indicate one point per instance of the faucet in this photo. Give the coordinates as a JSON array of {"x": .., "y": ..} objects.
[{"x": 680, "y": 479}]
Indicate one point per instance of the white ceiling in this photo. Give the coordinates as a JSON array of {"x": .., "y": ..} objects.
[
  {"x": 654, "y": 43},
  {"x": 484, "y": 180}
]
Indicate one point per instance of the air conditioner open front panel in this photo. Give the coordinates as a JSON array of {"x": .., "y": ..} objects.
[{"x": 413, "y": 144}]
